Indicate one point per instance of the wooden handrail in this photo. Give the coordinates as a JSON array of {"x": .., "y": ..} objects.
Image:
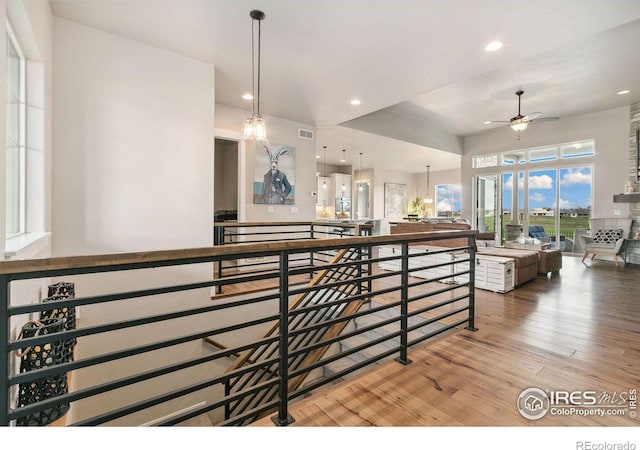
[
  {"x": 233, "y": 224},
  {"x": 184, "y": 255}
]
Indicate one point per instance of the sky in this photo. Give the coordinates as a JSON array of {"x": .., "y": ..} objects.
[
  {"x": 574, "y": 184},
  {"x": 448, "y": 197}
]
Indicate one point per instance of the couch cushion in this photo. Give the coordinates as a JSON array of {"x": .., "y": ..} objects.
[
  {"x": 537, "y": 231},
  {"x": 522, "y": 258},
  {"x": 608, "y": 236}
]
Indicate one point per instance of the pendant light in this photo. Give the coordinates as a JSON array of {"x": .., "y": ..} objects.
[
  {"x": 360, "y": 174},
  {"x": 324, "y": 168},
  {"x": 254, "y": 128},
  {"x": 428, "y": 200}
]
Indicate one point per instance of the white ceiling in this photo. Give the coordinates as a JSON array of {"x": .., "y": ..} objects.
[{"x": 417, "y": 66}]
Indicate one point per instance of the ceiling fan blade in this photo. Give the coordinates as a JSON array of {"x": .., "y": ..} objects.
[
  {"x": 491, "y": 130},
  {"x": 533, "y": 115},
  {"x": 546, "y": 119},
  {"x": 497, "y": 121}
]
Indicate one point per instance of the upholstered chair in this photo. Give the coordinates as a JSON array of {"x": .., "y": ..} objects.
[{"x": 606, "y": 237}]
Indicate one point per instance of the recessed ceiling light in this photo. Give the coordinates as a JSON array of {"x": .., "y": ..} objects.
[
  {"x": 626, "y": 91},
  {"x": 247, "y": 97},
  {"x": 355, "y": 102},
  {"x": 493, "y": 46},
  {"x": 487, "y": 122}
]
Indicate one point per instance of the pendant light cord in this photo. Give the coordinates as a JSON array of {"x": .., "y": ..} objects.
[
  {"x": 259, "y": 39},
  {"x": 253, "y": 68},
  {"x": 256, "y": 99}
]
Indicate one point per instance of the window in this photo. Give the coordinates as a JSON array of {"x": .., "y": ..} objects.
[
  {"x": 448, "y": 202},
  {"x": 543, "y": 154},
  {"x": 578, "y": 149},
  {"x": 15, "y": 140},
  {"x": 512, "y": 158},
  {"x": 480, "y": 162}
]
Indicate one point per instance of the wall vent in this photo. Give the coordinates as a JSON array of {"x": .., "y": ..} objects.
[{"x": 305, "y": 134}]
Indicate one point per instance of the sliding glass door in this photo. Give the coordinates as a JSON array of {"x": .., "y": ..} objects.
[
  {"x": 552, "y": 201},
  {"x": 542, "y": 192},
  {"x": 574, "y": 205},
  {"x": 487, "y": 200}
]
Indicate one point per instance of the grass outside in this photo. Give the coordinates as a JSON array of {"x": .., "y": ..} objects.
[{"x": 567, "y": 224}]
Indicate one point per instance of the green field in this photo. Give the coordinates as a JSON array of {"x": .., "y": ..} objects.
[{"x": 567, "y": 224}]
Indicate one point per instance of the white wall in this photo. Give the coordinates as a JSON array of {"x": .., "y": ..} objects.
[
  {"x": 279, "y": 131},
  {"x": 133, "y": 142},
  {"x": 133, "y": 171},
  {"x": 609, "y": 129}
]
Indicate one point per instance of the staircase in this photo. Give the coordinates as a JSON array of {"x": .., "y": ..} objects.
[
  {"x": 340, "y": 367},
  {"x": 255, "y": 388}
]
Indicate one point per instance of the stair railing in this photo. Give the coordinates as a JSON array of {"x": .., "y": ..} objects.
[{"x": 144, "y": 317}]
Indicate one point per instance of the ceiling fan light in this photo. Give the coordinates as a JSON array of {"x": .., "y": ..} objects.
[
  {"x": 493, "y": 46},
  {"x": 519, "y": 125}
]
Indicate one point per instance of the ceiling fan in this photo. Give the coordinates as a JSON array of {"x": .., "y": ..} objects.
[{"x": 520, "y": 122}]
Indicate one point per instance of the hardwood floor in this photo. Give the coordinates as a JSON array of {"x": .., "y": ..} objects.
[{"x": 577, "y": 331}]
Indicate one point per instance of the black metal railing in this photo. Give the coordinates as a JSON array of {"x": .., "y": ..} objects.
[
  {"x": 161, "y": 365},
  {"x": 228, "y": 233}
]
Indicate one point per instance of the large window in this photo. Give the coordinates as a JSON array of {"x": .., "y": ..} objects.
[
  {"x": 15, "y": 140},
  {"x": 448, "y": 202},
  {"x": 539, "y": 191},
  {"x": 577, "y": 149}
]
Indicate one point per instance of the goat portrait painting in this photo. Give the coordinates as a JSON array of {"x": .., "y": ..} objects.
[{"x": 274, "y": 175}]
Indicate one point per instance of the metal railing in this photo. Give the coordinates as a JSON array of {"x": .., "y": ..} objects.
[
  {"x": 228, "y": 233},
  {"x": 163, "y": 351}
]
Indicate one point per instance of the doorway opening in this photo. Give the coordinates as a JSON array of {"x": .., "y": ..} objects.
[{"x": 225, "y": 199}]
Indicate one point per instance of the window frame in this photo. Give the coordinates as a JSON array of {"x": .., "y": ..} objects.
[{"x": 22, "y": 144}]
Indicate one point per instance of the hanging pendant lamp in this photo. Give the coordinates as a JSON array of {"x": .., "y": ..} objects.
[
  {"x": 360, "y": 174},
  {"x": 344, "y": 159},
  {"x": 324, "y": 168},
  {"x": 254, "y": 127},
  {"x": 428, "y": 200}
]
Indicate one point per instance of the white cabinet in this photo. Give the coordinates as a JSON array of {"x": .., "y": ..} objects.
[
  {"x": 494, "y": 273},
  {"x": 322, "y": 191},
  {"x": 386, "y": 251},
  {"x": 340, "y": 195},
  {"x": 341, "y": 185}
]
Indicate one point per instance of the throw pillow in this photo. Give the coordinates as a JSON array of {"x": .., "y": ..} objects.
[{"x": 607, "y": 236}]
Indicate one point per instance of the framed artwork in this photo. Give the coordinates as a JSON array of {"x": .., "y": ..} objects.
[
  {"x": 274, "y": 174},
  {"x": 395, "y": 200}
]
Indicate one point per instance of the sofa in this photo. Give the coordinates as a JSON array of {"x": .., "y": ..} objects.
[
  {"x": 526, "y": 261},
  {"x": 420, "y": 227}
]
